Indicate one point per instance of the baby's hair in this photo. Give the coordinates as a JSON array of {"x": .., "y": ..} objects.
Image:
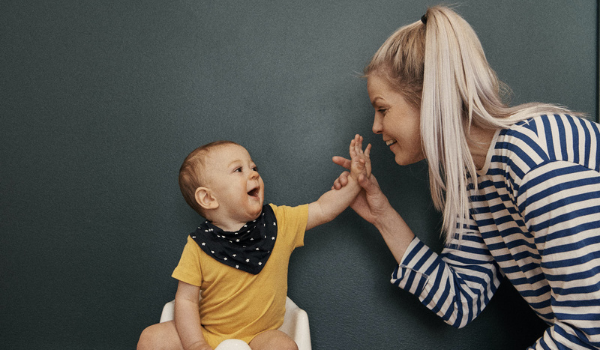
[{"x": 191, "y": 173}]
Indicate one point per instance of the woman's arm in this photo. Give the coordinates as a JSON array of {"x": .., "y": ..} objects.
[
  {"x": 187, "y": 317},
  {"x": 456, "y": 285}
]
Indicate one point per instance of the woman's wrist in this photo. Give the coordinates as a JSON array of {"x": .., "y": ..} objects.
[
  {"x": 386, "y": 219},
  {"x": 395, "y": 232},
  {"x": 381, "y": 211}
]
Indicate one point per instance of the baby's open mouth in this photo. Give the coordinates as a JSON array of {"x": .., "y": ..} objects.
[{"x": 254, "y": 192}]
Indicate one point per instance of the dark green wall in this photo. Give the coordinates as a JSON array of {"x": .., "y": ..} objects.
[{"x": 100, "y": 101}]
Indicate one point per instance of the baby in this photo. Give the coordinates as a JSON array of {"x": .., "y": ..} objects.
[{"x": 238, "y": 259}]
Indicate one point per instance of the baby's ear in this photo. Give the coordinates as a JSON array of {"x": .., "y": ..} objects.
[{"x": 205, "y": 198}]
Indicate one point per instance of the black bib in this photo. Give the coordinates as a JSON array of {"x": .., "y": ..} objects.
[{"x": 247, "y": 249}]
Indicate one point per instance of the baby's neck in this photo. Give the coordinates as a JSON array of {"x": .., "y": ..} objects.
[
  {"x": 228, "y": 223},
  {"x": 228, "y": 227}
]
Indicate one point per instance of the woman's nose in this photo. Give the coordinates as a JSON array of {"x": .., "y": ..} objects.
[{"x": 377, "y": 126}]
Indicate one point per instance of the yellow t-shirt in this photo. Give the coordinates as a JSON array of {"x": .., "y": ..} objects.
[{"x": 236, "y": 304}]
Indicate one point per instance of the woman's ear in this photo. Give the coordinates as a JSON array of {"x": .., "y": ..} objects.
[{"x": 206, "y": 199}]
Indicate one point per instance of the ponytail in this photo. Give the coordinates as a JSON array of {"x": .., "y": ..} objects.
[{"x": 439, "y": 66}]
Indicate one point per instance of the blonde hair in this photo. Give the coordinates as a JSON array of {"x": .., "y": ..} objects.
[
  {"x": 439, "y": 66},
  {"x": 192, "y": 172}
]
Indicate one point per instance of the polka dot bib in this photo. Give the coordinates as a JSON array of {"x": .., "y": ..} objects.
[{"x": 247, "y": 249}]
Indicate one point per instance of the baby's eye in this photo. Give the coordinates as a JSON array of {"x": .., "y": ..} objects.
[
  {"x": 255, "y": 168},
  {"x": 238, "y": 170}
]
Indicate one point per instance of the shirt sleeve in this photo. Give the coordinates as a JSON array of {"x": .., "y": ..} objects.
[
  {"x": 188, "y": 270},
  {"x": 294, "y": 220},
  {"x": 560, "y": 202},
  {"x": 456, "y": 285}
]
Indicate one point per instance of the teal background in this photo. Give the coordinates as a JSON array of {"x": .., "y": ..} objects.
[{"x": 100, "y": 101}]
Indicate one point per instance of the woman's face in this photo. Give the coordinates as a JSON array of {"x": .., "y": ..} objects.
[{"x": 396, "y": 121}]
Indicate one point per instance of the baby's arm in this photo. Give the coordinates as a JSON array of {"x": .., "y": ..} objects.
[
  {"x": 332, "y": 203},
  {"x": 187, "y": 317}
]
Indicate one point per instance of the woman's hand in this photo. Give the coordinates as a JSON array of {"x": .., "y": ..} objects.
[{"x": 371, "y": 203}]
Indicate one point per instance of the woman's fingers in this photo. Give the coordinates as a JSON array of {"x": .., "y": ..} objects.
[
  {"x": 341, "y": 161},
  {"x": 368, "y": 150},
  {"x": 369, "y": 184}
]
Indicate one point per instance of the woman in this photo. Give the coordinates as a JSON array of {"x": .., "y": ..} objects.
[{"x": 519, "y": 187}]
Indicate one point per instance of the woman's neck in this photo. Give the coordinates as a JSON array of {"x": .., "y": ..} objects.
[{"x": 480, "y": 141}]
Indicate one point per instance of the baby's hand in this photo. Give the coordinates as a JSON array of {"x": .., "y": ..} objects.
[{"x": 360, "y": 161}]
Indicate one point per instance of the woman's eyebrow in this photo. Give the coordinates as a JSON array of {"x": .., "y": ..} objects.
[{"x": 374, "y": 102}]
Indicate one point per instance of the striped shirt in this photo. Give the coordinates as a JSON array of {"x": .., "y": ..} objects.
[{"x": 535, "y": 218}]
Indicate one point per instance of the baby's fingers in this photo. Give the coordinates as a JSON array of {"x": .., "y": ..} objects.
[{"x": 341, "y": 181}]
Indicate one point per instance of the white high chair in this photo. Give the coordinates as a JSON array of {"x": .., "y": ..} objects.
[{"x": 295, "y": 324}]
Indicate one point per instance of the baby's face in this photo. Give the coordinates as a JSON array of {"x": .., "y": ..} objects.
[{"x": 233, "y": 178}]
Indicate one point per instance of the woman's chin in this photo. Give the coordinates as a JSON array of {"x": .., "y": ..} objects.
[{"x": 403, "y": 160}]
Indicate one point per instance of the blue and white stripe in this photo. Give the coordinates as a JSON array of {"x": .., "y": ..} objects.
[{"x": 534, "y": 218}]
